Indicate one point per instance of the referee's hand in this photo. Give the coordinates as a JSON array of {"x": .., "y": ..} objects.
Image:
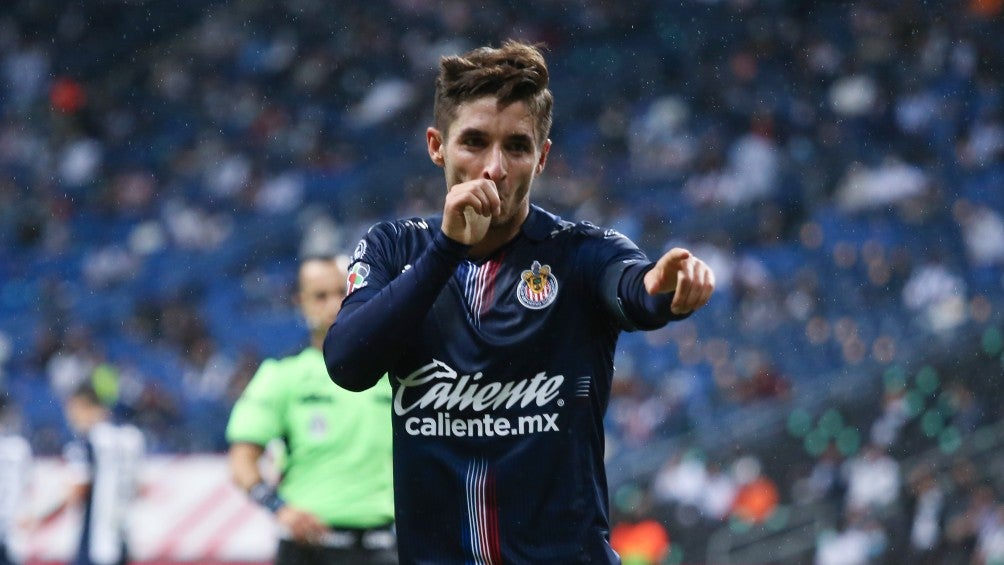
[{"x": 303, "y": 526}]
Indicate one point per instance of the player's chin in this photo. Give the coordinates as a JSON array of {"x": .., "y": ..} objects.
[{"x": 501, "y": 220}]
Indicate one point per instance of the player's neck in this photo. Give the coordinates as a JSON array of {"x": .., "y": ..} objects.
[{"x": 317, "y": 339}]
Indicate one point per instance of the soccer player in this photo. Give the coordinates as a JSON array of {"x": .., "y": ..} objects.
[
  {"x": 497, "y": 322},
  {"x": 105, "y": 460},
  {"x": 334, "y": 501},
  {"x": 15, "y": 465}
]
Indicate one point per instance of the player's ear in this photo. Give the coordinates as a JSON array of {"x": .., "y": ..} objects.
[
  {"x": 543, "y": 157},
  {"x": 434, "y": 139},
  {"x": 294, "y": 295}
]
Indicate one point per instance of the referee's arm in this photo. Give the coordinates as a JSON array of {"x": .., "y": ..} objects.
[{"x": 303, "y": 526}]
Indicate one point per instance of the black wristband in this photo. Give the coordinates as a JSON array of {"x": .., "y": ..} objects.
[{"x": 266, "y": 496}]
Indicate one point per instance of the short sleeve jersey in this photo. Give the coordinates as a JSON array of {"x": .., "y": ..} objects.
[
  {"x": 109, "y": 459},
  {"x": 499, "y": 397},
  {"x": 15, "y": 466},
  {"x": 338, "y": 443}
]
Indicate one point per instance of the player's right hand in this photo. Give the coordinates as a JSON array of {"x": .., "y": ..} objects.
[
  {"x": 303, "y": 526},
  {"x": 468, "y": 211}
]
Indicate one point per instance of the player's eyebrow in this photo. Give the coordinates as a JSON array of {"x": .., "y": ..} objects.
[
  {"x": 520, "y": 137},
  {"x": 472, "y": 132}
]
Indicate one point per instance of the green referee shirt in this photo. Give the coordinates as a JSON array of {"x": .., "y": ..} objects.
[{"x": 338, "y": 443}]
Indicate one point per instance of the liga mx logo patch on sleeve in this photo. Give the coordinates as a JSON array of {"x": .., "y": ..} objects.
[
  {"x": 357, "y": 277},
  {"x": 360, "y": 250},
  {"x": 537, "y": 288}
]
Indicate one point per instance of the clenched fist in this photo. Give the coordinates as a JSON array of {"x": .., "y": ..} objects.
[
  {"x": 679, "y": 271},
  {"x": 303, "y": 526},
  {"x": 469, "y": 209}
]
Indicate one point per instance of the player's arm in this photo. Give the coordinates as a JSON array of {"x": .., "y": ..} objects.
[
  {"x": 80, "y": 481},
  {"x": 689, "y": 279},
  {"x": 374, "y": 323},
  {"x": 244, "y": 469},
  {"x": 75, "y": 496},
  {"x": 648, "y": 295}
]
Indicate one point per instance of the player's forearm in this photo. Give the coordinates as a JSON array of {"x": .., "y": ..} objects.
[
  {"x": 646, "y": 311},
  {"x": 361, "y": 344},
  {"x": 74, "y": 497}
]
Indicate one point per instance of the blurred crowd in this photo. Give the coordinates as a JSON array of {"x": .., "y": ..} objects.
[
  {"x": 839, "y": 165},
  {"x": 913, "y": 474}
]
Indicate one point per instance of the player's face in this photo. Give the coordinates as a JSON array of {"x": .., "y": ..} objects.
[
  {"x": 322, "y": 288},
  {"x": 81, "y": 415},
  {"x": 486, "y": 141}
]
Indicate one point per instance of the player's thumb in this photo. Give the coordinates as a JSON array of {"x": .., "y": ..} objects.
[{"x": 662, "y": 277}]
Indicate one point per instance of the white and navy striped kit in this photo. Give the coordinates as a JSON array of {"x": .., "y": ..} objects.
[
  {"x": 15, "y": 469},
  {"x": 110, "y": 461}
]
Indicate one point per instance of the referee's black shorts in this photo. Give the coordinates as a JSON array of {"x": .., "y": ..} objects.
[{"x": 342, "y": 546}]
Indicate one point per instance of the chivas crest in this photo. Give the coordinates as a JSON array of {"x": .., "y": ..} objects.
[{"x": 537, "y": 288}]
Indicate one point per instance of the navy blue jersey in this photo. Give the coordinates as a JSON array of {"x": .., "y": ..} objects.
[{"x": 500, "y": 392}]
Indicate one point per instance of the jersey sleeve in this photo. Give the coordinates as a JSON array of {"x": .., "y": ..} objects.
[
  {"x": 610, "y": 253},
  {"x": 374, "y": 263},
  {"x": 258, "y": 414},
  {"x": 386, "y": 305},
  {"x": 621, "y": 284}
]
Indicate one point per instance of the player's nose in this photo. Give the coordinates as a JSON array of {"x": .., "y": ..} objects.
[{"x": 495, "y": 169}]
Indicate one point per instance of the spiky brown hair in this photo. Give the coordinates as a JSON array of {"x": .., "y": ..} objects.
[{"x": 515, "y": 72}]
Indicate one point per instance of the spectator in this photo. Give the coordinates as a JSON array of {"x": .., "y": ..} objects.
[
  {"x": 757, "y": 495},
  {"x": 681, "y": 480},
  {"x": 826, "y": 481},
  {"x": 990, "y": 542},
  {"x": 640, "y": 542},
  {"x": 862, "y": 541},
  {"x": 926, "y": 513},
  {"x": 873, "y": 481}
]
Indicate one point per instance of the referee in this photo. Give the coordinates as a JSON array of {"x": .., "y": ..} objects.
[{"x": 334, "y": 500}]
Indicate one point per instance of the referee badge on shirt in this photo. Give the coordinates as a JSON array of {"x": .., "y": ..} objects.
[
  {"x": 537, "y": 288},
  {"x": 318, "y": 426}
]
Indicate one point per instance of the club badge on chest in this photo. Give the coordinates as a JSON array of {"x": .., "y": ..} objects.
[{"x": 537, "y": 287}]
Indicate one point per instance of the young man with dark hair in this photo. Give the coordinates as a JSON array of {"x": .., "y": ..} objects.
[
  {"x": 334, "y": 501},
  {"x": 105, "y": 460},
  {"x": 497, "y": 322}
]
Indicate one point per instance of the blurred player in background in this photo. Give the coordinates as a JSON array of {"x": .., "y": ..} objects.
[
  {"x": 15, "y": 466},
  {"x": 104, "y": 460},
  {"x": 498, "y": 323},
  {"x": 334, "y": 501}
]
